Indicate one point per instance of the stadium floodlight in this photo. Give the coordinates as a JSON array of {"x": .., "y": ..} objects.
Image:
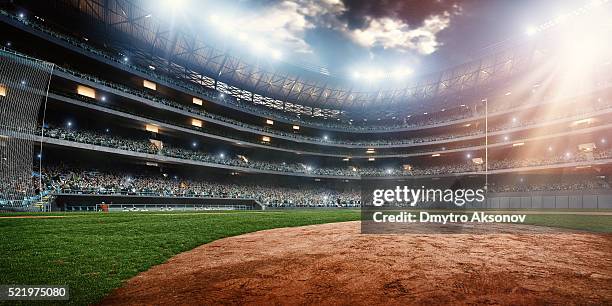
[
  {"x": 531, "y": 30},
  {"x": 221, "y": 155},
  {"x": 258, "y": 46},
  {"x": 21, "y": 15},
  {"x": 125, "y": 58},
  {"x": 401, "y": 73},
  {"x": 276, "y": 54},
  {"x": 103, "y": 98},
  {"x": 372, "y": 75},
  {"x": 214, "y": 19},
  {"x": 325, "y": 137},
  {"x": 69, "y": 123},
  {"x": 561, "y": 18},
  {"x": 377, "y": 74},
  {"x": 194, "y": 144},
  {"x": 175, "y": 4},
  {"x": 469, "y": 155}
]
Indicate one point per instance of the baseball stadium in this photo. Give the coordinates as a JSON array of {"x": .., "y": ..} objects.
[{"x": 292, "y": 152}]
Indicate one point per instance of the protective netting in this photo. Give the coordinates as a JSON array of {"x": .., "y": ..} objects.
[{"x": 24, "y": 85}]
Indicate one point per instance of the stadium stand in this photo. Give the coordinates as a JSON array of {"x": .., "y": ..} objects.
[
  {"x": 146, "y": 146},
  {"x": 212, "y": 125}
]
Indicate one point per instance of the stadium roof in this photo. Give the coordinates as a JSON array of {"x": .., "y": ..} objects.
[{"x": 184, "y": 53}]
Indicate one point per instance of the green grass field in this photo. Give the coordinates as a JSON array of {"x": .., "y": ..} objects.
[{"x": 92, "y": 253}]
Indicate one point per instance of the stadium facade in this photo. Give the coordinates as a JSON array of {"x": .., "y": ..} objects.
[{"x": 137, "y": 113}]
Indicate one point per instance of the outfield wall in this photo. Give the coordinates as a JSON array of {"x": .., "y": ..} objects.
[
  {"x": 572, "y": 200},
  {"x": 512, "y": 200},
  {"x": 567, "y": 200},
  {"x": 119, "y": 202}
]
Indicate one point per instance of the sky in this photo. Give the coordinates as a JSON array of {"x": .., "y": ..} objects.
[{"x": 352, "y": 37}]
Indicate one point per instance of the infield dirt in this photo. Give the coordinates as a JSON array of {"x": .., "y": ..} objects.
[{"x": 335, "y": 264}]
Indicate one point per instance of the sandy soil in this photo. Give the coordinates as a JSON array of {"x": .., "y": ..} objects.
[{"x": 334, "y": 264}]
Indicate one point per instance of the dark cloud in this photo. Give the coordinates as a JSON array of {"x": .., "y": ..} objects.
[{"x": 412, "y": 12}]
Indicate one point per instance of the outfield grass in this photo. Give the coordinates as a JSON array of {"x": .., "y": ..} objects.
[
  {"x": 92, "y": 253},
  {"x": 592, "y": 223}
]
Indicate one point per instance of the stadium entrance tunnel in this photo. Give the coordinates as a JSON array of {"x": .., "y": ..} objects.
[{"x": 144, "y": 203}]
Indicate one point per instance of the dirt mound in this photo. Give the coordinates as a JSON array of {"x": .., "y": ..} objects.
[{"x": 334, "y": 264}]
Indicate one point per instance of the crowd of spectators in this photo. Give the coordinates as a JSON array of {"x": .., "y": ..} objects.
[
  {"x": 146, "y": 146},
  {"x": 574, "y": 183},
  {"x": 17, "y": 189},
  {"x": 61, "y": 179},
  {"x": 74, "y": 180},
  {"x": 95, "y": 138}
]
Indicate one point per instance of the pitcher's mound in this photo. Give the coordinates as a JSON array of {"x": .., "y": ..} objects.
[{"x": 334, "y": 264}]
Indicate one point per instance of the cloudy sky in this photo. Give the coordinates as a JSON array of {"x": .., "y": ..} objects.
[{"x": 348, "y": 35}]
